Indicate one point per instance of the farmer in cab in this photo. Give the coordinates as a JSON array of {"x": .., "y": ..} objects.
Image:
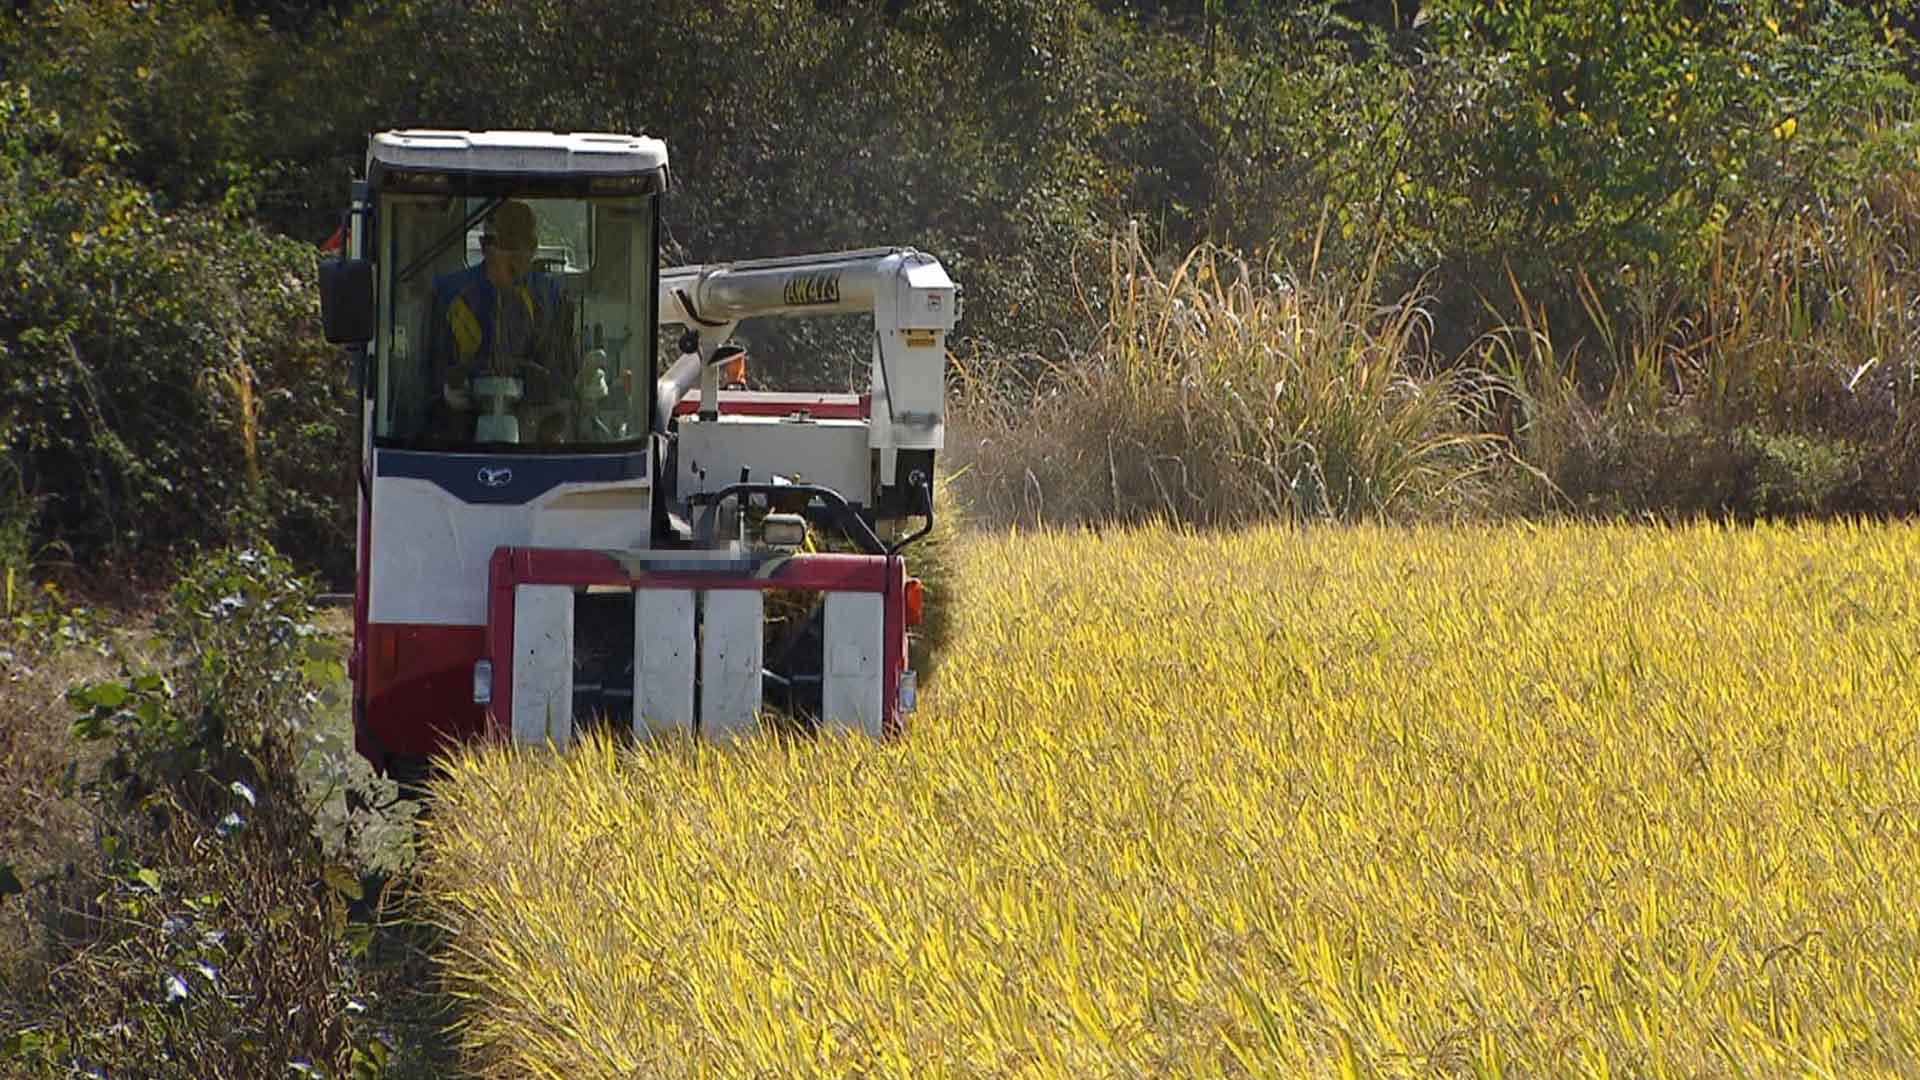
[{"x": 500, "y": 317}]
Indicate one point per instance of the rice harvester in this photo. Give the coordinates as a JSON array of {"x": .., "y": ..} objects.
[{"x": 568, "y": 511}]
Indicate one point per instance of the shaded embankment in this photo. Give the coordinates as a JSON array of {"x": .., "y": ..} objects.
[{"x": 1554, "y": 801}]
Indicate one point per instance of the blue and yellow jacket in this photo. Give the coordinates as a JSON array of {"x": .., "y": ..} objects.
[{"x": 465, "y": 320}]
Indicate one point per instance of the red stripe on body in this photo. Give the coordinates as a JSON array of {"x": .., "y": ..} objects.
[
  {"x": 893, "y": 606},
  {"x": 762, "y": 403}
]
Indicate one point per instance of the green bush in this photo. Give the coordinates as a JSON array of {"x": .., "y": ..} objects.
[
  {"x": 1786, "y": 381},
  {"x": 212, "y": 938},
  {"x": 958, "y": 127},
  {"x": 184, "y": 89},
  {"x": 1624, "y": 141},
  {"x": 159, "y": 372}
]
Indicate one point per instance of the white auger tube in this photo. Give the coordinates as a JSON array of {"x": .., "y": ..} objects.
[{"x": 914, "y": 306}]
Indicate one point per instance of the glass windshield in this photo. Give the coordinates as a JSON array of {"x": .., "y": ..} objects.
[{"x": 518, "y": 322}]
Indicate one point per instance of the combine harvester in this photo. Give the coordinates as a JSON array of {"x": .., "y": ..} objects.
[{"x": 559, "y": 524}]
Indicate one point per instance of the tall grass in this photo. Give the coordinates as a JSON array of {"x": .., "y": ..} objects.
[
  {"x": 1783, "y": 380},
  {"x": 1786, "y": 380},
  {"x": 16, "y": 535},
  {"x": 1515, "y": 801},
  {"x": 1217, "y": 391}
]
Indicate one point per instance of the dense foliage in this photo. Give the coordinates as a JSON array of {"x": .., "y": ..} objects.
[
  {"x": 1582, "y": 174},
  {"x": 160, "y": 381}
]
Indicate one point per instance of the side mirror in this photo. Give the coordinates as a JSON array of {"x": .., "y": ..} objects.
[{"x": 346, "y": 300}]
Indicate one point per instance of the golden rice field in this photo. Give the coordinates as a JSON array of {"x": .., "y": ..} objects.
[{"x": 1498, "y": 801}]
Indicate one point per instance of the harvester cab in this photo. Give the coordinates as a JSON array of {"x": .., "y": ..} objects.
[{"x": 566, "y": 515}]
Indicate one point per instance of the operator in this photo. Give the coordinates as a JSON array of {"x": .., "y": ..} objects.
[{"x": 502, "y": 317}]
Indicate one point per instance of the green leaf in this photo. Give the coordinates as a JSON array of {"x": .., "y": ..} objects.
[
  {"x": 22, "y": 1043},
  {"x": 369, "y": 1062},
  {"x": 149, "y": 713},
  {"x": 359, "y": 939},
  {"x": 149, "y": 877},
  {"x": 89, "y": 727},
  {"x": 106, "y": 695},
  {"x": 343, "y": 881}
]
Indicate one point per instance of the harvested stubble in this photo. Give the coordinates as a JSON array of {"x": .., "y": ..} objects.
[{"x": 1502, "y": 801}]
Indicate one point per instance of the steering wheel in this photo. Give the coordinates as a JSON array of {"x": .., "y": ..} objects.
[{"x": 562, "y": 398}]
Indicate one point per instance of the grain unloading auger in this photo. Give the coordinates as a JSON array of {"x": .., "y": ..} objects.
[{"x": 562, "y": 523}]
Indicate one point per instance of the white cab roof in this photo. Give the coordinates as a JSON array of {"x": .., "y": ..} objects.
[{"x": 576, "y": 153}]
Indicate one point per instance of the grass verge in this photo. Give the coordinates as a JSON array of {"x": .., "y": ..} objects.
[{"x": 187, "y": 888}]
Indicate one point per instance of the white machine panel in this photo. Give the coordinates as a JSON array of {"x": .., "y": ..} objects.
[
  {"x": 662, "y": 661},
  {"x": 853, "y": 688},
  {"x": 730, "y": 663},
  {"x": 543, "y": 664},
  {"x": 431, "y": 550},
  {"x": 598, "y": 153},
  {"x": 833, "y": 453}
]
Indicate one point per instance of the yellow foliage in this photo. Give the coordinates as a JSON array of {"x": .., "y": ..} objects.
[{"x": 1517, "y": 800}]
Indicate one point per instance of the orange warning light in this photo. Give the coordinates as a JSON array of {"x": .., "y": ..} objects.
[{"x": 916, "y": 601}]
